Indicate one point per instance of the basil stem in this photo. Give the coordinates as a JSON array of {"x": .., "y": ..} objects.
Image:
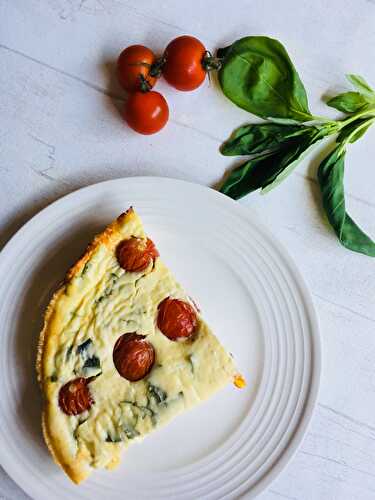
[{"x": 273, "y": 159}]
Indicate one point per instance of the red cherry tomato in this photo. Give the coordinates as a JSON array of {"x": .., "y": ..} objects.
[
  {"x": 146, "y": 112},
  {"x": 134, "y": 66},
  {"x": 135, "y": 254},
  {"x": 184, "y": 58},
  {"x": 75, "y": 397},
  {"x": 133, "y": 356},
  {"x": 176, "y": 319}
]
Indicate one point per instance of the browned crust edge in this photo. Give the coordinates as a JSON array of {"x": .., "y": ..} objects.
[{"x": 102, "y": 238}]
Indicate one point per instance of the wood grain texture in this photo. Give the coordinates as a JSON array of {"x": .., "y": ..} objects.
[{"x": 61, "y": 130}]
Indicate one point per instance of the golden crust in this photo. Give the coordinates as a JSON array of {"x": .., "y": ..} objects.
[
  {"x": 74, "y": 470},
  {"x": 77, "y": 470},
  {"x": 103, "y": 238},
  {"x": 106, "y": 238}
]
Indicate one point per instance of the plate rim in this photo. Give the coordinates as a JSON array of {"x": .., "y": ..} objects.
[{"x": 311, "y": 399}]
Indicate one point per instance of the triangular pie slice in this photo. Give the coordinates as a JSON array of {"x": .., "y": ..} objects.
[{"x": 123, "y": 350}]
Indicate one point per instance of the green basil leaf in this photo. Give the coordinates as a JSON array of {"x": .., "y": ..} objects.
[
  {"x": 86, "y": 267},
  {"x": 258, "y": 138},
  {"x": 360, "y": 133},
  {"x": 348, "y": 102},
  {"x": 258, "y": 76},
  {"x": 157, "y": 393},
  {"x": 348, "y": 130},
  {"x": 82, "y": 348},
  {"x": 264, "y": 169},
  {"x": 249, "y": 176},
  {"x": 331, "y": 181},
  {"x": 290, "y": 162},
  {"x": 294, "y": 156},
  {"x": 68, "y": 352},
  {"x": 269, "y": 168},
  {"x": 361, "y": 85},
  {"x": 130, "y": 431},
  {"x": 113, "y": 439},
  {"x": 93, "y": 362}
]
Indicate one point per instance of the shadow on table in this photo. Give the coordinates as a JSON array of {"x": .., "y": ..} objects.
[
  {"x": 31, "y": 209},
  {"x": 113, "y": 90},
  {"x": 114, "y": 99},
  {"x": 49, "y": 196}
]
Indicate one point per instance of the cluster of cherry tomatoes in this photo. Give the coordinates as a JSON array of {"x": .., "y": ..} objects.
[{"x": 184, "y": 65}]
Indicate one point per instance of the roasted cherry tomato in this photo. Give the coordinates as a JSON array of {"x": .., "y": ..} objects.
[
  {"x": 184, "y": 63},
  {"x": 134, "y": 68},
  {"x": 135, "y": 254},
  {"x": 176, "y": 319},
  {"x": 146, "y": 112},
  {"x": 133, "y": 356},
  {"x": 75, "y": 397}
]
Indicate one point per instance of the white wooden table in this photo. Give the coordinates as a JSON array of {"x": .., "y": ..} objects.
[{"x": 60, "y": 130}]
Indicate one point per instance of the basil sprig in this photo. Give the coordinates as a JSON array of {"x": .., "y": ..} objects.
[
  {"x": 272, "y": 159},
  {"x": 257, "y": 75}
]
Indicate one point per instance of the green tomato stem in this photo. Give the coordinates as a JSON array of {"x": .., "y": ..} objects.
[
  {"x": 144, "y": 85},
  {"x": 157, "y": 67},
  {"x": 210, "y": 62}
]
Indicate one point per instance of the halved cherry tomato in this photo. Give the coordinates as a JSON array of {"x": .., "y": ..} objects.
[
  {"x": 184, "y": 63},
  {"x": 146, "y": 112},
  {"x": 75, "y": 397},
  {"x": 176, "y": 319},
  {"x": 135, "y": 254},
  {"x": 134, "y": 68},
  {"x": 133, "y": 356}
]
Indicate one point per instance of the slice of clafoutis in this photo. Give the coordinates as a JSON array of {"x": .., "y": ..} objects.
[{"x": 123, "y": 351}]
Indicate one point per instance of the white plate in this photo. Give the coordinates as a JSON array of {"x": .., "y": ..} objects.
[{"x": 249, "y": 291}]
